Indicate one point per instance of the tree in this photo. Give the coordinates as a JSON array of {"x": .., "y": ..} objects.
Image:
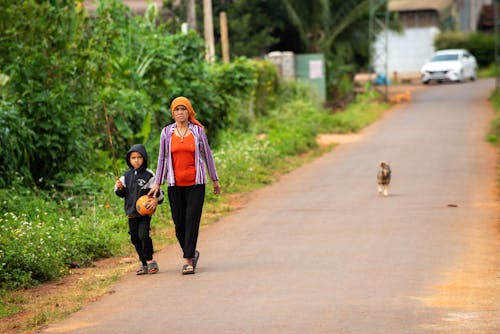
[
  {"x": 337, "y": 28},
  {"x": 38, "y": 46}
]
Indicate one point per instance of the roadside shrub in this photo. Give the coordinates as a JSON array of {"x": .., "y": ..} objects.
[
  {"x": 39, "y": 50},
  {"x": 357, "y": 115},
  {"x": 494, "y": 134},
  {"x": 233, "y": 84},
  {"x": 243, "y": 162},
  {"x": 268, "y": 85},
  {"x": 15, "y": 144},
  {"x": 480, "y": 44},
  {"x": 292, "y": 128},
  {"x": 41, "y": 238}
]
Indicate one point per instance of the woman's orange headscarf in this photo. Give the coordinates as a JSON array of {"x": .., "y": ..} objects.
[{"x": 184, "y": 101}]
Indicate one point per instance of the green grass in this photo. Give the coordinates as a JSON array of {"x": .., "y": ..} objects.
[
  {"x": 488, "y": 72},
  {"x": 494, "y": 134}
]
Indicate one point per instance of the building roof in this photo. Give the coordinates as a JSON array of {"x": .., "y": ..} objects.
[
  {"x": 486, "y": 20},
  {"x": 417, "y": 5}
]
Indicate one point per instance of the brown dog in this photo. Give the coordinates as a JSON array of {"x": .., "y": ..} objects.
[{"x": 384, "y": 178}]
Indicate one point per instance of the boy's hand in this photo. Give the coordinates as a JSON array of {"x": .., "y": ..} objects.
[{"x": 119, "y": 184}]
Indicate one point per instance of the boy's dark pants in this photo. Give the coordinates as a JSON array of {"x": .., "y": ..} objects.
[
  {"x": 186, "y": 204},
  {"x": 139, "y": 235}
]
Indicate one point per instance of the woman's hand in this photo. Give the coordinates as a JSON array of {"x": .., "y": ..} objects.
[
  {"x": 152, "y": 202},
  {"x": 154, "y": 191},
  {"x": 216, "y": 188}
]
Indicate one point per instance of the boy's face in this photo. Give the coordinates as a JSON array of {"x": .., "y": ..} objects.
[{"x": 136, "y": 160}]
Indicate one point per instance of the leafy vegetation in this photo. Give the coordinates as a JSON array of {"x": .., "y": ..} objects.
[
  {"x": 65, "y": 71},
  {"x": 494, "y": 135},
  {"x": 337, "y": 28},
  {"x": 480, "y": 44}
]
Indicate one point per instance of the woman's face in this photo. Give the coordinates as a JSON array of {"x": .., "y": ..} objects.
[{"x": 181, "y": 114}]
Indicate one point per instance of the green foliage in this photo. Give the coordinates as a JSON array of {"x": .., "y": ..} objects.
[
  {"x": 233, "y": 85},
  {"x": 41, "y": 237},
  {"x": 251, "y": 25},
  {"x": 39, "y": 47},
  {"x": 16, "y": 142},
  {"x": 8, "y": 304},
  {"x": 268, "y": 86},
  {"x": 292, "y": 128},
  {"x": 64, "y": 68},
  {"x": 359, "y": 114},
  {"x": 337, "y": 28},
  {"x": 494, "y": 134},
  {"x": 450, "y": 40},
  {"x": 480, "y": 44},
  {"x": 239, "y": 151},
  {"x": 491, "y": 71}
]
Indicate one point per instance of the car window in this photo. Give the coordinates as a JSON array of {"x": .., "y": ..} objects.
[{"x": 445, "y": 57}]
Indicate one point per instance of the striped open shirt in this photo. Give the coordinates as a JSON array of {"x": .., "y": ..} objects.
[{"x": 202, "y": 156}]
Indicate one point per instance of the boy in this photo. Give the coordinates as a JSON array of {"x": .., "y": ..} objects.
[{"x": 137, "y": 181}]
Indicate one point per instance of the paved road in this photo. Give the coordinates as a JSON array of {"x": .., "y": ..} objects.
[{"x": 321, "y": 252}]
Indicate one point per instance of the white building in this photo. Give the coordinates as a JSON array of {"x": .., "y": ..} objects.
[{"x": 405, "y": 53}]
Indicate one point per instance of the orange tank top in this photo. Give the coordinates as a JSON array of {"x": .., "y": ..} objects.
[{"x": 183, "y": 160}]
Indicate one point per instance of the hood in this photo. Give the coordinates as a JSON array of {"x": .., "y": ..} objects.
[
  {"x": 142, "y": 150},
  {"x": 441, "y": 66}
]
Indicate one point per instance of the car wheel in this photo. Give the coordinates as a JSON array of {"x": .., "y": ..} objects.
[
  {"x": 473, "y": 76},
  {"x": 425, "y": 82}
]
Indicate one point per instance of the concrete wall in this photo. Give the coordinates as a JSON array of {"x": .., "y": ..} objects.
[{"x": 406, "y": 52}]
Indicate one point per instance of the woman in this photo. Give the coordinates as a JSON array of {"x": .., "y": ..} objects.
[{"x": 184, "y": 153}]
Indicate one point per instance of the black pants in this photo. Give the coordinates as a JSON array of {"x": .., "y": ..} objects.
[
  {"x": 186, "y": 204},
  {"x": 139, "y": 228}
]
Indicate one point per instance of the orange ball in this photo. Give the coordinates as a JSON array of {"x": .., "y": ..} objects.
[{"x": 143, "y": 207}]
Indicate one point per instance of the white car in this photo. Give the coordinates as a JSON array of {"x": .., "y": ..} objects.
[{"x": 454, "y": 65}]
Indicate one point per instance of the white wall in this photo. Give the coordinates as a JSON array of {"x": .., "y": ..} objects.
[{"x": 406, "y": 52}]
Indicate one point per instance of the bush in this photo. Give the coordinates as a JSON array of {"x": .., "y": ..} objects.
[
  {"x": 494, "y": 134},
  {"x": 481, "y": 45},
  {"x": 16, "y": 143},
  {"x": 40, "y": 43},
  {"x": 41, "y": 238}
]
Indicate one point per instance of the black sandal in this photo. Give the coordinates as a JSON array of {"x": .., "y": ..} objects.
[
  {"x": 195, "y": 259},
  {"x": 187, "y": 269},
  {"x": 142, "y": 270},
  {"x": 153, "y": 267}
]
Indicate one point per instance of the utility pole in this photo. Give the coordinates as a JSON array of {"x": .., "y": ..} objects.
[
  {"x": 209, "y": 31},
  {"x": 191, "y": 14},
  {"x": 378, "y": 57},
  {"x": 224, "y": 37},
  {"x": 495, "y": 31}
]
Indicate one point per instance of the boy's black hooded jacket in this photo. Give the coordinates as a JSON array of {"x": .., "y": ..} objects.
[{"x": 136, "y": 182}]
